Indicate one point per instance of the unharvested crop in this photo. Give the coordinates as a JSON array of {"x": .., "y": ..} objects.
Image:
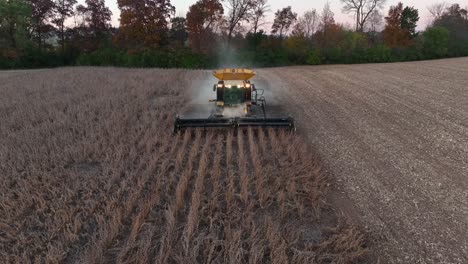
[{"x": 91, "y": 172}]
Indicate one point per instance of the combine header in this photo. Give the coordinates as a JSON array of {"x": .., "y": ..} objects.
[{"x": 238, "y": 103}]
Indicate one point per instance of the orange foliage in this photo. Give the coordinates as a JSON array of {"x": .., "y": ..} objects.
[
  {"x": 201, "y": 19},
  {"x": 394, "y": 35},
  {"x": 331, "y": 35},
  {"x": 144, "y": 23}
]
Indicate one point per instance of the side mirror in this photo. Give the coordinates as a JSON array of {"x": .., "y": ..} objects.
[{"x": 214, "y": 87}]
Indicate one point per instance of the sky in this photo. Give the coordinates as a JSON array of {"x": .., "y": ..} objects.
[{"x": 300, "y": 6}]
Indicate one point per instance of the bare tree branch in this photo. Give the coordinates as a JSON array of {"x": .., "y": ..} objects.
[
  {"x": 362, "y": 9},
  {"x": 238, "y": 12},
  {"x": 437, "y": 10},
  {"x": 374, "y": 21},
  {"x": 258, "y": 14},
  {"x": 310, "y": 20}
]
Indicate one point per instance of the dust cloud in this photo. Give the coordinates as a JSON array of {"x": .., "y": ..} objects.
[
  {"x": 235, "y": 111},
  {"x": 200, "y": 92}
]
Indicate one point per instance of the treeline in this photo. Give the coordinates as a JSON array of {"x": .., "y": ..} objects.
[{"x": 49, "y": 33}]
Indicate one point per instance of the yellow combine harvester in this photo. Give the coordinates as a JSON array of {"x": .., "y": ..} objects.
[{"x": 238, "y": 103}]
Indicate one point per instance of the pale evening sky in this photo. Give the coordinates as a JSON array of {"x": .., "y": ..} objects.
[{"x": 300, "y": 6}]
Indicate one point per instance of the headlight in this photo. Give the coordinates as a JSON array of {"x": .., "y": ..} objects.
[
  {"x": 228, "y": 86},
  {"x": 220, "y": 86},
  {"x": 247, "y": 86}
]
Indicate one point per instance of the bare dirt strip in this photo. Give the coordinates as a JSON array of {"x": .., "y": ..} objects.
[{"x": 395, "y": 139}]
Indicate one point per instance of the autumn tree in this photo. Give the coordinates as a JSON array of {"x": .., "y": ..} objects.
[
  {"x": 96, "y": 21},
  {"x": 298, "y": 31},
  {"x": 202, "y": 17},
  {"x": 307, "y": 24},
  {"x": 362, "y": 10},
  {"x": 178, "y": 32},
  {"x": 41, "y": 13},
  {"x": 297, "y": 45},
  {"x": 63, "y": 10},
  {"x": 144, "y": 23},
  {"x": 394, "y": 35},
  {"x": 329, "y": 34},
  {"x": 284, "y": 18},
  {"x": 310, "y": 21},
  {"x": 374, "y": 22},
  {"x": 456, "y": 12},
  {"x": 14, "y": 20},
  {"x": 327, "y": 19},
  {"x": 258, "y": 14},
  {"x": 401, "y": 26},
  {"x": 437, "y": 10},
  {"x": 455, "y": 19},
  {"x": 409, "y": 19},
  {"x": 436, "y": 42},
  {"x": 97, "y": 16},
  {"x": 239, "y": 11}
]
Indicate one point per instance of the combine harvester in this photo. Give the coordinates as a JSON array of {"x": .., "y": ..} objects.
[{"x": 238, "y": 104}]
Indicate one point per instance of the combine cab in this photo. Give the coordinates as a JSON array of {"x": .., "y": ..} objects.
[{"x": 238, "y": 103}]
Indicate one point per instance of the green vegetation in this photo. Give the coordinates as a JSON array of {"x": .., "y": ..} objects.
[{"x": 33, "y": 35}]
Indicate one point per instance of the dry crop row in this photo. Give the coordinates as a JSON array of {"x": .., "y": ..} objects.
[{"x": 92, "y": 173}]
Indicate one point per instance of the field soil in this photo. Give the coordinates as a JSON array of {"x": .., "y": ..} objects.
[
  {"x": 91, "y": 172},
  {"x": 394, "y": 137}
]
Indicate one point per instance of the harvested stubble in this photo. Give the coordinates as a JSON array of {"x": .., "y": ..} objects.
[{"x": 92, "y": 173}]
